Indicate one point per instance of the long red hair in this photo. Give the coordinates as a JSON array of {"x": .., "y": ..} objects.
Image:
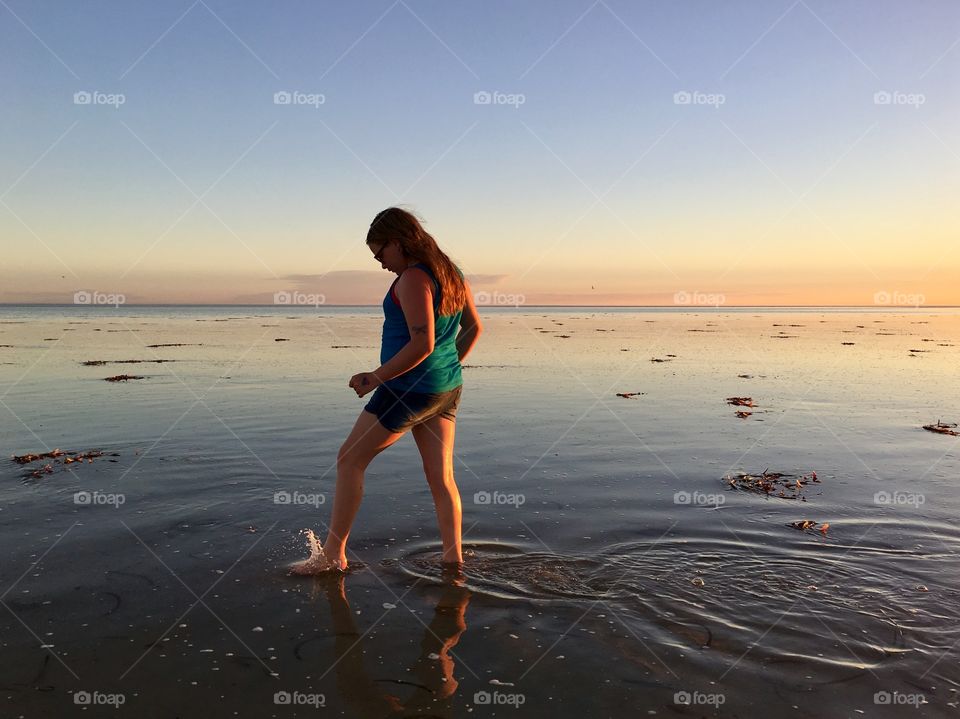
[{"x": 417, "y": 244}]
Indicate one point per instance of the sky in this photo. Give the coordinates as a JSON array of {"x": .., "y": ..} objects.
[{"x": 608, "y": 152}]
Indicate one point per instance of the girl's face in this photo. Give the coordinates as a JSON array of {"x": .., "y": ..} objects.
[{"x": 389, "y": 256}]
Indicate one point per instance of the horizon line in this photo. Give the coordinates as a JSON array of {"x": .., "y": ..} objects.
[{"x": 505, "y": 306}]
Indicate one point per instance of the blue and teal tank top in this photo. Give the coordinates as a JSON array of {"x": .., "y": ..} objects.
[{"x": 440, "y": 371}]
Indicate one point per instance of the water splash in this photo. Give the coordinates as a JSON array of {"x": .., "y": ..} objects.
[{"x": 318, "y": 562}]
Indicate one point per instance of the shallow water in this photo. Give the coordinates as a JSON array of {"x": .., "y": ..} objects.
[{"x": 603, "y": 548}]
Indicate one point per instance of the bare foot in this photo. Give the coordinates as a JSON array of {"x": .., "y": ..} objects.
[{"x": 318, "y": 563}]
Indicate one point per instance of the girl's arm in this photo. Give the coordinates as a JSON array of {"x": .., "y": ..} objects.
[
  {"x": 415, "y": 291},
  {"x": 470, "y": 327}
]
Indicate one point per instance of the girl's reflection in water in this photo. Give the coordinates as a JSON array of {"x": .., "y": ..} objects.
[{"x": 432, "y": 684}]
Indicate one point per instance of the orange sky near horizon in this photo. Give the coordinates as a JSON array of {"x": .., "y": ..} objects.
[
  {"x": 772, "y": 287},
  {"x": 741, "y": 154}
]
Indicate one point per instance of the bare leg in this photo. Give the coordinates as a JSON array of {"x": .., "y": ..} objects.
[
  {"x": 367, "y": 439},
  {"x": 435, "y": 439}
]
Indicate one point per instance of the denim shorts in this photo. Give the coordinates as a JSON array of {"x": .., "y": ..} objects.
[{"x": 399, "y": 410}]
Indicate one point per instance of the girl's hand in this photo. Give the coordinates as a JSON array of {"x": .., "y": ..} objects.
[{"x": 364, "y": 383}]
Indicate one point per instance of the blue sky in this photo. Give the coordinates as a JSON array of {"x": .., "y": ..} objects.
[{"x": 799, "y": 188}]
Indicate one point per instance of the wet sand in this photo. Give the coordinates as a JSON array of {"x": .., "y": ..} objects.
[{"x": 610, "y": 568}]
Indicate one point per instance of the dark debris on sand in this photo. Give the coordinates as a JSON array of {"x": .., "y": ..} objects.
[
  {"x": 805, "y": 524},
  {"x": 943, "y": 428},
  {"x": 123, "y": 377},
  {"x": 60, "y": 458},
  {"x": 742, "y": 402},
  {"x": 98, "y": 363},
  {"x": 777, "y": 484}
]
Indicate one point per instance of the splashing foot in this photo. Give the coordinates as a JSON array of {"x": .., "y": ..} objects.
[{"x": 318, "y": 562}]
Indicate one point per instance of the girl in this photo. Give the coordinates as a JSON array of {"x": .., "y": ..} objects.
[{"x": 430, "y": 325}]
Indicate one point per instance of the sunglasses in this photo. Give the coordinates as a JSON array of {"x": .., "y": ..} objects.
[{"x": 379, "y": 256}]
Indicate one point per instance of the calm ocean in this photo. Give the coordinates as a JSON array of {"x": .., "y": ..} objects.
[{"x": 612, "y": 570}]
